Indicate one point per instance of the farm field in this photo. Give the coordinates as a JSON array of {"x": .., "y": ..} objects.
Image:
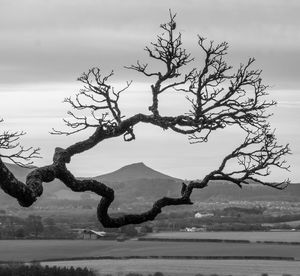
[
  {"x": 280, "y": 236},
  {"x": 29, "y": 250},
  {"x": 187, "y": 267}
]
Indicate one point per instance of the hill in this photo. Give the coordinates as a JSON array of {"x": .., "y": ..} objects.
[
  {"x": 140, "y": 181},
  {"x": 133, "y": 172},
  {"x": 220, "y": 191}
]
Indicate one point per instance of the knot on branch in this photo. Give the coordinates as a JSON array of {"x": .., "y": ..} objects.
[{"x": 61, "y": 156}]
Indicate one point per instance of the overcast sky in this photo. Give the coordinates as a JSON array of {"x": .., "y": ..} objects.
[{"x": 46, "y": 45}]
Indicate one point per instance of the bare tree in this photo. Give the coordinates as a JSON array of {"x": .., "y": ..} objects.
[
  {"x": 12, "y": 150},
  {"x": 218, "y": 98}
]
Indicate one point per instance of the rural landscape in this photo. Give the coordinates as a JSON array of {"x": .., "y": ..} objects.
[
  {"x": 173, "y": 154},
  {"x": 227, "y": 231}
]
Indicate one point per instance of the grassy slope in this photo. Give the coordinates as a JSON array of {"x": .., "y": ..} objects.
[{"x": 188, "y": 267}]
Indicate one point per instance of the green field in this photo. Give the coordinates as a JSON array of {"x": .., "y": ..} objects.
[
  {"x": 281, "y": 236},
  {"x": 28, "y": 250},
  {"x": 38, "y": 250},
  {"x": 188, "y": 267}
]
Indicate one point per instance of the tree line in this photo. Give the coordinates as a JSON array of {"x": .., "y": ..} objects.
[
  {"x": 37, "y": 270},
  {"x": 33, "y": 227}
]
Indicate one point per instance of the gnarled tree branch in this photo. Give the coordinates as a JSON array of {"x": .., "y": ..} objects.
[{"x": 218, "y": 98}]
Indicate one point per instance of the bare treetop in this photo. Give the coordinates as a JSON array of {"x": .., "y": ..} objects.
[{"x": 218, "y": 97}]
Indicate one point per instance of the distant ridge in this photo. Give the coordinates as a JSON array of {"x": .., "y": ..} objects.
[
  {"x": 138, "y": 180},
  {"x": 133, "y": 172}
]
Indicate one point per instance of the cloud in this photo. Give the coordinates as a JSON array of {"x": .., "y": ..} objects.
[{"x": 56, "y": 41}]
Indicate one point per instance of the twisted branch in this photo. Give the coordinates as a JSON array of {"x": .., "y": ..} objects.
[{"x": 218, "y": 98}]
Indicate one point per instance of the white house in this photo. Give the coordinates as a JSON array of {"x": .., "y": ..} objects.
[
  {"x": 199, "y": 215},
  {"x": 88, "y": 234}
]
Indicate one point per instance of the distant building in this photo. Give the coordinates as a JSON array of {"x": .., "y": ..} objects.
[
  {"x": 88, "y": 234},
  {"x": 199, "y": 215},
  {"x": 195, "y": 229}
]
